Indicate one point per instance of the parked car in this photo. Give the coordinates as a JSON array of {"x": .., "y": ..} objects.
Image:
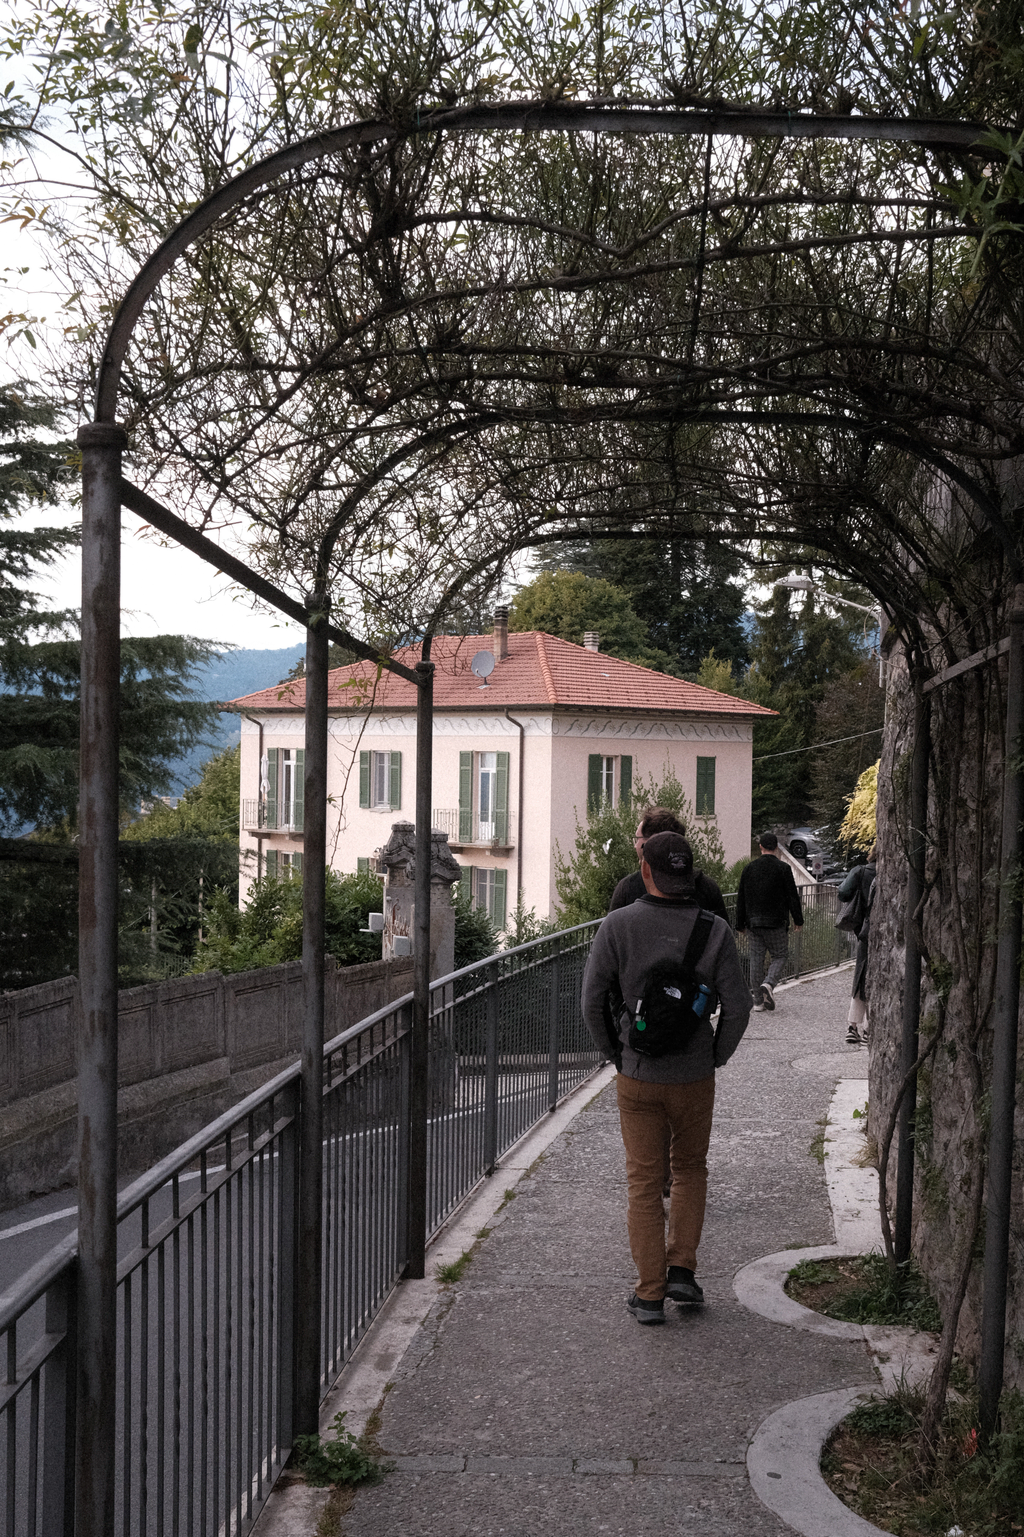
[{"x": 802, "y": 841}]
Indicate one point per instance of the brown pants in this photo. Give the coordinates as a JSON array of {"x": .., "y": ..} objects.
[{"x": 647, "y": 1113}]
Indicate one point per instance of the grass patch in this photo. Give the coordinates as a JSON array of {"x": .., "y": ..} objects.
[
  {"x": 817, "y": 1147},
  {"x": 871, "y": 1462},
  {"x": 455, "y": 1269},
  {"x": 863, "y": 1290},
  {"x": 507, "y": 1199},
  {"x": 339, "y": 1461}
]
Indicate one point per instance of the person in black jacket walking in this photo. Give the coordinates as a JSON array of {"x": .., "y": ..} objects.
[
  {"x": 861, "y": 878},
  {"x": 766, "y": 901},
  {"x": 658, "y": 819}
]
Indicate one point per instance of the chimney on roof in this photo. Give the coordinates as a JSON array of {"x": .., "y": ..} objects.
[
  {"x": 500, "y": 636},
  {"x": 591, "y": 640}
]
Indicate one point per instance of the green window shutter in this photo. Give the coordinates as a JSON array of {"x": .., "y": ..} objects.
[
  {"x": 465, "y": 797},
  {"x": 300, "y": 787},
  {"x": 395, "y": 782},
  {"x": 296, "y": 864},
  {"x": 272, "y": 863},
  {"x": 466, "y": 881},
  {"x": 364, "y": 779},
  {"x": 501, "y": 799},
  {"x": 272, "y": 780},
  {"x": 498, "y": 908},
  {"x": 362, "y": 867},
  {"x": 594, "y": 764},
  {"x": 705, "y": 787},
  {"x": 625, "y": 780}
]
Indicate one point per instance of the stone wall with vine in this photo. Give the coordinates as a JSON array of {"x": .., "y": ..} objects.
[{"x": 958, "y": 930}]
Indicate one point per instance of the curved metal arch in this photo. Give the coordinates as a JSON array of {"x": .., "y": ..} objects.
[{"x": 526, "y": 117}]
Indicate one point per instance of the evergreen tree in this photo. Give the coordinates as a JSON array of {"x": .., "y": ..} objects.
[
  {"x": 690, "y": 596},
  {"x": 797, "y": 652}
]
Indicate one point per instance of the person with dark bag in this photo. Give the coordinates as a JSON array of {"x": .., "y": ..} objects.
[
  {"x": 859, "y": 888},
  {"x": 659, "y": 968}
]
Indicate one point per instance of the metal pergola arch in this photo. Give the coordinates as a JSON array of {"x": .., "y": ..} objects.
[{"x": 104, "y": 493}]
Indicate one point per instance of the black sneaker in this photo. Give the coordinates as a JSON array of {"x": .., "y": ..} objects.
[
  {"x": 853, "y": 1036},
  {"x": 682, "y": 1287},
  {"x": 646, "y": 1312},
  {"x": 767, "y": 996}
]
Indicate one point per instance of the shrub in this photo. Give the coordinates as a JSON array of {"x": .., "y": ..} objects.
[{"x": 604, "y": 850}]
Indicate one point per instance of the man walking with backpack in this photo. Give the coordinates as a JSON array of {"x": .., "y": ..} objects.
[{"x": 656, "y": 971}]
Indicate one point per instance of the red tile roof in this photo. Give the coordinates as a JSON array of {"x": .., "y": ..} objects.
[{"x": 540, "y": 671}]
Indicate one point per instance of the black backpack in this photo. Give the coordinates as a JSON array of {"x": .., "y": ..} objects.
[{"x": 672, "y": 1002}]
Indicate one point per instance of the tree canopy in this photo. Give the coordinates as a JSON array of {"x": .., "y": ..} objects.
[{"x": 569, "y": 604}]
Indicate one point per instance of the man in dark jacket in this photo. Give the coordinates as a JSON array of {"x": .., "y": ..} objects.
[
  {"x": 766, "y": 901},
  {"x": 674, "y": 1092},
  {"x": 658, "y": 819}
]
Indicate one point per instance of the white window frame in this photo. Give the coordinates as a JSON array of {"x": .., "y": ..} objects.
[{"x": 380, "y": 775}]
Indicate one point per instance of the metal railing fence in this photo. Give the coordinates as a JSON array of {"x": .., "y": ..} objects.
[
  {"x": 207, "y": 1242},
  {"x": 207, "y": 1250}
]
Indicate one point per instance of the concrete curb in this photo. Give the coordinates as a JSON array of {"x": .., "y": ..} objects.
[
  {"x": 784, "y": 1455},
  {"x": 760, "y": 1285},
  {"x": 783, "y": 1458}
]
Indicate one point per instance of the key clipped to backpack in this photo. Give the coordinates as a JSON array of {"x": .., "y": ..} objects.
[{"x": 673, "y": 1001}]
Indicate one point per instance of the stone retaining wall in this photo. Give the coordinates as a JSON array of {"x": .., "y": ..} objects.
[{"x": 189, "y": 1048}]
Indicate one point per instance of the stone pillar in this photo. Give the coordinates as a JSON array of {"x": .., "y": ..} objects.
[{"x": 398, "y": 857}]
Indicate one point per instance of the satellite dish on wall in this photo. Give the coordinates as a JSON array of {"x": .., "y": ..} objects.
[{"x": 483, "y": 665}]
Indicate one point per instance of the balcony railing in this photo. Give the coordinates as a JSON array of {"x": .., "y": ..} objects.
[
  {"x": 466, "y": 830},
  {"x": 271, "y": 817}
]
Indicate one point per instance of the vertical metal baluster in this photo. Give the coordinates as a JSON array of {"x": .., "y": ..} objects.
[
  {"x": 175, "y": 1427},
  {"x": 252, "y": 1309},
  {"x": 402, "y": 1141},
  {"x": 337, "y": 1231},
  {"x": 491, "y": 1071},
  {"x": 204, "y": 1361},
  {"x": 10, "y": 1378},
  {"x": 144, "y": 1373},
  {"x": 285, "y": 1293},
  {"x": 216, "y": 1377},
  {"x": 58, "y": 1431},
  {"x": 243, "y": 1451},
  {"x": 32, "y": 1489},
  {"x": 128, "y": 1452}
]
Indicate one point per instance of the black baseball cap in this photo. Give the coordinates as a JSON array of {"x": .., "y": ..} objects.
[{"x": 671, "y": 860}]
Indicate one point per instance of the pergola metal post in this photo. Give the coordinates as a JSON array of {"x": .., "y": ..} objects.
[
  {"x": 916, "y": 849},
  {"x": 309, "y": 1228},
  {"x": 999, "y": 1174},
  {"x": 419, "y": 1065},
  {"x": 101, "y": 445}
]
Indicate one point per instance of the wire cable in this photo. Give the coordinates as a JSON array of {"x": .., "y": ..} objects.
[{"x": 834, "y": 742}]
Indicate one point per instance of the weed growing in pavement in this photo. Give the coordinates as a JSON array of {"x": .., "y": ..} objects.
[
  {"x": 455, "y": 1269},
  {"x": 817, "y": 1147},
  {"x": 872, "y": 1462},
  {"x": 865, "y": 1290},
  {"x": 339, "y": 1461}
]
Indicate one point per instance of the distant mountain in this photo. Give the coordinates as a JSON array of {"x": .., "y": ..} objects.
[{"x": 235, "y": 673}]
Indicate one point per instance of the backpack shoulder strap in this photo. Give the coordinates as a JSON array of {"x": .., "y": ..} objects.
[{"x": 698, "y": 939}]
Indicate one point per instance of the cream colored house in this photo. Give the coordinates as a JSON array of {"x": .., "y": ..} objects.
[{"x": 516, "y": 759}]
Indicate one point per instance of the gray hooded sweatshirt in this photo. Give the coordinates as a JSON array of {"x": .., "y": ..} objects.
[{"x": 626, "y": 946}]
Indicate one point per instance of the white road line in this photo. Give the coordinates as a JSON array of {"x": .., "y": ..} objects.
[{"x": 26, "y": 1227}]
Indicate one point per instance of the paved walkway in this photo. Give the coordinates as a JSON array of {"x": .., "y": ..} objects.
[{"x": 531, "y": 1402}]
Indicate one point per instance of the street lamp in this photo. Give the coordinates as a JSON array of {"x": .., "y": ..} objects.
[{"x": 798, "y": 582}]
